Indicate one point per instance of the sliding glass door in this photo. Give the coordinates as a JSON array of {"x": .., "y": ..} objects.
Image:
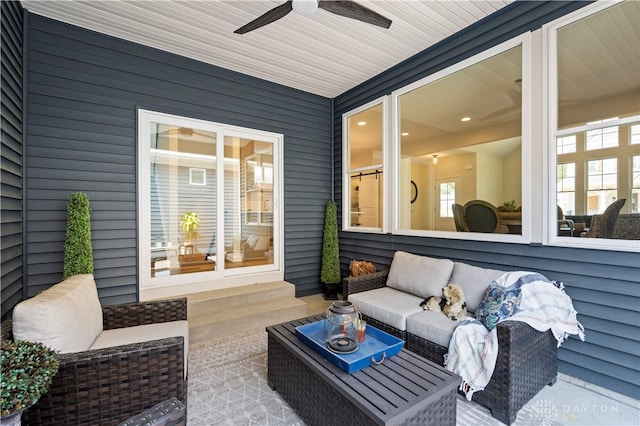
[{"x": 207, "y": 195}]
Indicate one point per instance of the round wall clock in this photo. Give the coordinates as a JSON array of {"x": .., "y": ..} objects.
[{"x": 414, "y": 192}]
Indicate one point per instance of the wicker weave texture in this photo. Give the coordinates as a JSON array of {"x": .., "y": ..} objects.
[
  {"x": 422, "y": 393},
  {"x": 142, "y": 313},
  {"x": 527, "y": 359},
  {"x": 168, "y": 413},
  {"x": 529, "y": 362},
  {"x": 109, "y": 385},
  {"x": 357, "y": 284}
]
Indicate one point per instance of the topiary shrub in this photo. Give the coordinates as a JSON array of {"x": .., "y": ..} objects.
[
  {"x": 330, "y": 272},
  {"x": 78, "y": 252}
]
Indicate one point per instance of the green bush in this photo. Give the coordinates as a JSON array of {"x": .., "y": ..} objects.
[
  {"x": 27, "y": 371},
  {"x": 330, "y": 272},
  {"x": 78, "y": 252}
]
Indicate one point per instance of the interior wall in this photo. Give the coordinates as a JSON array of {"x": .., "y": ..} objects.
[
  {"x": 490, "y": 178},
  {"x": 421, "y": 214},
  {"x": 512, "y": 177}
]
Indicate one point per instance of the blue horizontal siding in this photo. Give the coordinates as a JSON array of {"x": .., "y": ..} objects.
[
  {"x": 11, "y": 102},
  {"x": 84, "y": 89},
  {"x": 604, "y": 285}
]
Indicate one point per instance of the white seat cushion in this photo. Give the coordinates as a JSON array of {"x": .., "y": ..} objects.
[
  {"x": 66, "y": 317},
  {"x": 474, "y": 282},
  {"x": 419, "y": 275},
  {"x": 387, "y": 305},
  {"x": 144, "y": 333},
  {"x": 435, "y": 327}
]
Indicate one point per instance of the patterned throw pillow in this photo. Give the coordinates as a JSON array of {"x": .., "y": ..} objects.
[{"x": 498, "y": 304}]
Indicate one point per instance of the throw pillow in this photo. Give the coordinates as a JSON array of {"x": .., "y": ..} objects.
[{"x": 498, "y": 304}]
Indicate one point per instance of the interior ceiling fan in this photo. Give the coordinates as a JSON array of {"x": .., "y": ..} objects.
[
  {"x": 516, "y": 102},
  {"x": 348, "y": 9}
]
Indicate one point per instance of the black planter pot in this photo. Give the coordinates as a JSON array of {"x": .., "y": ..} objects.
[{"x": 330, "y": 291}]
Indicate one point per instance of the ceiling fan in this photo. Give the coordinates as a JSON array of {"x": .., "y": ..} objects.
[
  {"x": 516, "y": 102},
  {"x": 349, "y": 9}
]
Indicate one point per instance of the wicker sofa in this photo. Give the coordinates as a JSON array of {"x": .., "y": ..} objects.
[
  {"x": 105, "y": 384},
  {"x": 527, "y": 359}
]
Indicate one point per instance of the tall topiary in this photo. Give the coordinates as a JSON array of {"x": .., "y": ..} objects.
[
  {"x": 78, "y": 253},
  {"x": 330, "y": 272}
]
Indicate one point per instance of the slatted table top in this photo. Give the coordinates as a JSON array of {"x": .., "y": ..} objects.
[{"x": 403, "y": 384}]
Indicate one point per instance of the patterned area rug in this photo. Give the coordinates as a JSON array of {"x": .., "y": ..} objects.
[{"x": 228, "y": 386}]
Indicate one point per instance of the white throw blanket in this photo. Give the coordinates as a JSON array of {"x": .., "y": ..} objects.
[{"x": 544, "y": 305}]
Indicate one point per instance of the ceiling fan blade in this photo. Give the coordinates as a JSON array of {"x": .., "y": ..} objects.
[
  {"x": 353, "y": 10},
  {"x": 269, "y": 17}
]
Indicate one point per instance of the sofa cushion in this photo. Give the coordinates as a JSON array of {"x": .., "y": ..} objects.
[
  {"x": 144, "y": 333},
  {"x": 387, "y": 305},
  {"x": 66, "y": 317},
  {"x": 432, "y": 326},
  {"x": 419, "y": 275},
  {"x": 474, "y": 282},
  {"x": 499, "y": 303}
]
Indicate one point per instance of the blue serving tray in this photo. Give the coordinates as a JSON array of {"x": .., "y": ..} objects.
[{"x": 376, "y": 344}]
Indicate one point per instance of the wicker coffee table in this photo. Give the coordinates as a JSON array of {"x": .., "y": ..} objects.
[{"x": 405, "y": 388}]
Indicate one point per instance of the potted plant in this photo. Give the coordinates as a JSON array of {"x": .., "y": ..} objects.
[
  {"x": 78, "y": 252},
  {"x": 509, "y": 206},
  {"x": 27, "y": 371},
  {"x": 189, "y": 223},
  {"x": 330, "y": 272}
]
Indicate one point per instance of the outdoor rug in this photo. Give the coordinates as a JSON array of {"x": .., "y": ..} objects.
[{"x": 228, "y": 386}]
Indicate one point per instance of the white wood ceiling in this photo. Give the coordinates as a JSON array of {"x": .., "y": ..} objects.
[{"x": 323, "y": 53}]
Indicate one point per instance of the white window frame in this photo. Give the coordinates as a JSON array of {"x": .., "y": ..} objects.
[
  {"x": 151, "y": 288},
  {"x": 550, "y": 124},
  {"x": 529, "y": 153},
  {"x": 346, "y": 176}
]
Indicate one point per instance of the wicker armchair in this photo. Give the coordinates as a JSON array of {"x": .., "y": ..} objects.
[
  {"x": 107, "y": 386},
  {"x": 527, "y": 359}
]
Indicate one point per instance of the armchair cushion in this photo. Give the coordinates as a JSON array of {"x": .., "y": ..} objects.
[
  {"x": 51, "y": 317},
  {"x": 419, "y": 275}
]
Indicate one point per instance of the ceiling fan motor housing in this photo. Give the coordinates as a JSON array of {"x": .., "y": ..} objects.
[{"x": 305, "y": 7}]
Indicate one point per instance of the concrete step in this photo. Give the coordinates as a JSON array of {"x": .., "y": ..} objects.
[
  {"x": 224, "y": 312},
  {"x": 236, "y": 297}
]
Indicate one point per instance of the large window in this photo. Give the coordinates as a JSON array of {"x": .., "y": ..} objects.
[
  {"x": 459, "y": 138},
  {"x": 594, "y": 63},
  {"x": 541, "y": 126},
  {"x": 208, "y": 207}
]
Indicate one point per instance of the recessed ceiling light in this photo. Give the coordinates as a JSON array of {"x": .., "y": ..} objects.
[
  {"x": 362, "y": 123},
  {"x": 465, "y": 119},
  {"x": 404, "y": 134}
]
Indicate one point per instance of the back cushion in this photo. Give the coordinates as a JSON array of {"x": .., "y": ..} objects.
[
  {"x": 66, "y": 317},
  {"x": 419, "y": 275},
  {"x": 474, "y": 282}
]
